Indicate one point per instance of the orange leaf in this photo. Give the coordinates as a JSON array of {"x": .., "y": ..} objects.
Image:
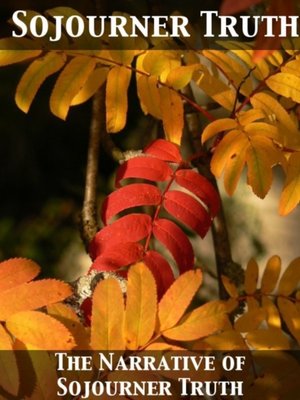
[
  {"x": 31, "y": 296},
  {"x": 141, "y": 306},
  {"x": 107, "y": 316},
  {"x": 250, "y": 321},
  {"x": 9, "y": 373},
  {"x": 201, "y": 322},
  {"x": 251, "y": 277},
  {"x": 273, "y": 317},
  {"x": 40, "y": 331},
  {"x": 271, "y": 274},
  {"x": 16, "y": 271},
  {"x": 230, "y": 287},
  {"x": 291, "y": 316},
  {"x": 67, "y": 316},
  {"x": 178, "y": 297}
]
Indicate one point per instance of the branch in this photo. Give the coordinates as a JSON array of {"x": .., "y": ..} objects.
[
  {"x": 222, "y": 248},
  {"x": 89, "y": 224}
]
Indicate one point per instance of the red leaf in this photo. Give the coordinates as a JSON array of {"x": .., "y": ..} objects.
[
  {"x": 149, "y": 168},
  {"x": 118, "y": 256},
  {"x": 171, "y": 236},
  {"x": 136, "y": 194},
  {"x": 229, "y": 7},
  {"x": 201, "y": 187},
  {"x": 164, "y": 150},
  {"x": 188, "y": 210},
  {"x": 133, "y": 228},
  {"x": 161, "y": 271}
]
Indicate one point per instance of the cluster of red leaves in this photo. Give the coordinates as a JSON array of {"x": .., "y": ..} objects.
[{"x": 175, "y": 190}]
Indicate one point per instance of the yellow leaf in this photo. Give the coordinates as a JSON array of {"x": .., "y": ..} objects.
[
  {"x": 290, "y": 278},
  {"x": 141, "y": 306},
  {"x": 215, "y": 127},
  {"x": 201, "y": 322},
  {"x": 271, "y": 275},
  {"x": 230, "y": 287},
  {"x": 215, "y": 88},
  {"x": 172, "y": 114},
  {"x": 275, "y": 112},
  {"x": 160, "y": 62},
  {"x": 94, "y": 82},
  {"x": 67, "y": 316},
  {"x": 37, "y": 72},
  {"x": 9, "y": 373},
  {"x": 33, "y": 295},
  {"x": 262, "y": 129},
  {"x": 273, "y": 317},
  {"x": 261, "y": 156},
  {"x": 290, "y": 196},
  {"x": 227, "y": 340},
  {"x": 181, "y": 76},
  {"x": 70, "y": 81},
  {"x": 291, "y": 316},
  {"x": 107, "y": 316},
  {"x": 247, "y": 117},
  {"x": 16, "y": 50},
  {"x": 250, "y": 321},
  {"x": 285, "y": 84},
  {"x": 40, "y": 331},
  {"x": 148, "y": 93},
  {"x": 178, "y": 297},
  {"x": 15, "y": 271},
  {"x": 268, "y": 339},
  {"x": 118, "y": 80},
  {"x": 251, "y": 277},
  {"x": 232, "y": 70}
]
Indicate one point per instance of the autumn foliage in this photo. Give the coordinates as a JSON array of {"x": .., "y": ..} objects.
[{"x": 160, "y": 198}]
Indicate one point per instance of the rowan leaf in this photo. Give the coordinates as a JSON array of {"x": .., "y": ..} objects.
[
  {"x": 285, "y": 84},
  {"x": 23, "y": 49},
  {"x": 227, "y": 340},
  {"x": 273, "y": 317},
  {"x": 291, "y": 316},
  {"x": 174, "y": 239},
  {"x": 181, "y": 76},
  {"x": 95, "y": 80},
  {"x": 15, "y": 271},
  {"x": 251, "y": 277},
  {"x": 187, "y": 210},
  {"x": 201, "y": 322},
  {"x": 133, "y": 227},
  {"x": 37, "y": 72},
  {"x": 201, "y": 187},
  {"x": 290, "y": 278},
  {"x": 141, "y": 307},
  {"x": 134, "y": 195},
  {"x": 218, "y": 126},
  {"x": 271, "y": 275},
  {"x": 161, "y": 271},
  {"x": 69, "y": 83},
  {"x": 178, "y": 297},
  {"x": 290, "y": 196},
  {"x": 148, "y": 168},
  {"x": 68, "y": 317},
  {"x": 250, "y": 320},
  {"x": 118, "y": 256},
  {"x": 214, "y": 87},
  {"x": 107, "y": 316},
  {"x": 9, "y": 372},
  {"x": 172, "y": 114},
  {"x": 32, "y": 328},
  {"x": 164, "y": 150},
  {"x": 32, "y": 295},
  {"x": 116, "y": 101},
  {"x": 230, "y": 287},
  {"x": 268, "y": 339}
]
